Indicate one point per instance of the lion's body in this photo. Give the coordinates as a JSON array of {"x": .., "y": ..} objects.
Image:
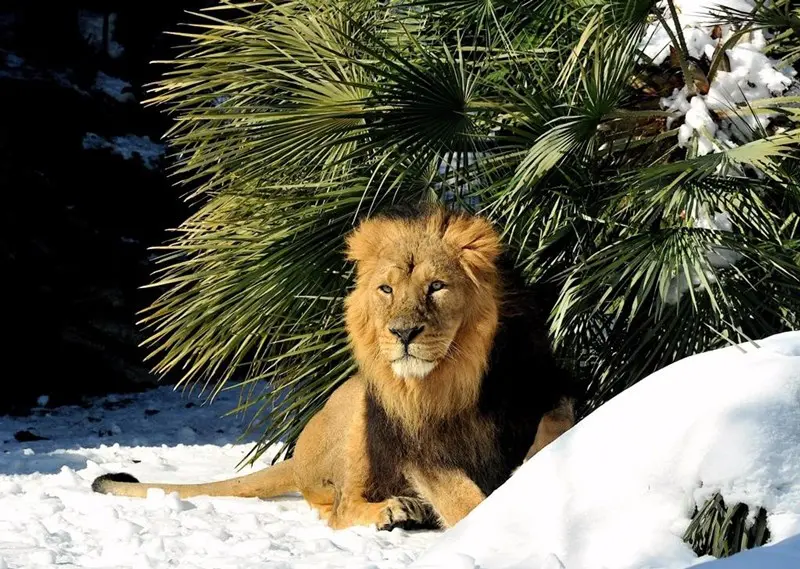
[{"x": 456, "y": 388}]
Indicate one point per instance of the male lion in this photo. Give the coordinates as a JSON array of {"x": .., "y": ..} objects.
[{"x": 455, "y": 382}]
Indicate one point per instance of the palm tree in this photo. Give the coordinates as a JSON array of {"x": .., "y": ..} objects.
[{"x": 293, "y": 118}]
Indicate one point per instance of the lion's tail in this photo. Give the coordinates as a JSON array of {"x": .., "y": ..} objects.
[{"x": 266, "y": 483}]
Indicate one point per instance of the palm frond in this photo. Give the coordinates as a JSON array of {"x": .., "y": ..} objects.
[{"x": 293, "y": 119}]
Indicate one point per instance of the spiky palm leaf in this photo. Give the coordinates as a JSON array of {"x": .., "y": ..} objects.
[
  {"x": 723, "y": 530},
  {"x": 294, "y": 118}
]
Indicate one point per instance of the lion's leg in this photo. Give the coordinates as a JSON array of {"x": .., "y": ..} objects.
[
  {"x": 350, "y": 507},
  {"x": 384, "y": 515},
  {"x": 324, "y": 511},
  {"x": 451, "y": 493},
  {"x": 333, "y": 470},
  {"x": 321, "y": 499},
  {"x": 552, "y": 425}
]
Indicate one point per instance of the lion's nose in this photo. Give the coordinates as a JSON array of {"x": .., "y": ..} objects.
[{"x": 405, "y": 335}]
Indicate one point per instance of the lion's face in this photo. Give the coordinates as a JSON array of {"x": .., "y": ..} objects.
[
  {"x": 425, "y": 295},
  {"x": 418, "y": 296}
]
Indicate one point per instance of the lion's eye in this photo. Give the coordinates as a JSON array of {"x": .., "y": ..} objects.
[
  {"x": 385, "y": 289},
  {"x": 435, "y": 286}
]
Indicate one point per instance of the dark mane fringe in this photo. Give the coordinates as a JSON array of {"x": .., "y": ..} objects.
[{"x": 524, "y": 379}]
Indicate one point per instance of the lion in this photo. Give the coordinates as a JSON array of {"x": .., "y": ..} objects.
[{"x": 456, "y": 384}]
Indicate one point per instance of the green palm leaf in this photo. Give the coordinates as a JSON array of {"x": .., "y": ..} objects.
[{"x": 293, "y": 119}]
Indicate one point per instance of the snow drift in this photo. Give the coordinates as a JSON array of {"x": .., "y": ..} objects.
[{"x": 618, "y": 490}]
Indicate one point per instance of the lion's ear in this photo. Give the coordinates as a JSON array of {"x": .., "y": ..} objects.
[
  {"x": 477, "y": 241},
  {"x": 363, "y": 242}
]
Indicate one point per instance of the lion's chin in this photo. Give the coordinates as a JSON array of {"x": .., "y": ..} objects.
[{"x": 411, "y": 367}]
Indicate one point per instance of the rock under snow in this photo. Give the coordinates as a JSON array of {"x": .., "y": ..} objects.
[{"x": 618, "y": 490}]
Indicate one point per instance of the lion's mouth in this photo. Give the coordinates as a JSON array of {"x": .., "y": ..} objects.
[
  {"x": 408, "y": 356},
  {"x": 408, "y": 366}
]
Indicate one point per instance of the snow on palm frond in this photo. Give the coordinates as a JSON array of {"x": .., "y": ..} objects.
[
  {"x": 727, "y": 106},
  {"x": 741, "y": 72}
]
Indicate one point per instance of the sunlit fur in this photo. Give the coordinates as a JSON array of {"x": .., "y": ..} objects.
[{"x": 441, "y": 375}]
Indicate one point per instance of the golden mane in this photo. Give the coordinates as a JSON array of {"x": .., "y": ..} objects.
[{"x": 454, "y": 385}]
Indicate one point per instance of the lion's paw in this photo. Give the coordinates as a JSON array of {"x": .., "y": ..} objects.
[{"x": 403, "y": 512}]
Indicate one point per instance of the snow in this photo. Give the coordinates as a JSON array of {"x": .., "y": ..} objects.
[
  {"x": 783, "y": 555},
  {"x": 617, "y": 491},
  {"x": 698, "y": 124},
  {"x": 50, "y": 517},
  {"x": 128, "y": 146},
  {"x": 696, "y": 20},
  {"x": 719, "y": 119},
  {"x": 17, "y": 68},
  {"x": 114, "y": 87},
  {"x": 14, "y": 61},
  {"x": 752, "y": 76}
]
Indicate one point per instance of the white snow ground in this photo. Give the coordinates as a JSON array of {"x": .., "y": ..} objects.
[
  {"x": 49, "y": 517},
  {"x": 617, "y": 491}
]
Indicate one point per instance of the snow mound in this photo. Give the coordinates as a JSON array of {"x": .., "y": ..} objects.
[{"x": 618, "y": 490}]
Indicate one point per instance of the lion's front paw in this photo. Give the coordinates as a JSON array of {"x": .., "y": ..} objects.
[{"x": 403, "y": 512}]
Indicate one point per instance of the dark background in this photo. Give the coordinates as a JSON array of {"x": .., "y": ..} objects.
[{"x": 77, "y": 222}]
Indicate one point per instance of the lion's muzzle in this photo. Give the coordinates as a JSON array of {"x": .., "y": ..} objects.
[{"x": 406, "y": 335}]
